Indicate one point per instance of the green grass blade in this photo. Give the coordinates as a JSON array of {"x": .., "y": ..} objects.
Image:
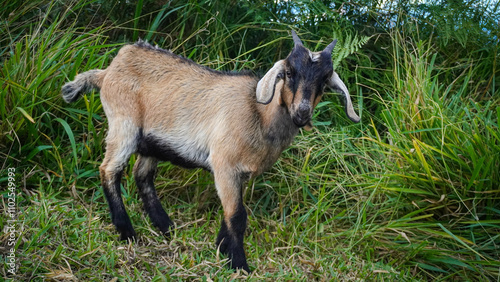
[{"x": 71, "y": 137}]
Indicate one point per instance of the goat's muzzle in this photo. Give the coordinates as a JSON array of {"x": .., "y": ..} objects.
[{"x": 301, "y": 115}]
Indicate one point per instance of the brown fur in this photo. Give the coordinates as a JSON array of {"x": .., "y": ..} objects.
[{"x": 138, "y": 89}]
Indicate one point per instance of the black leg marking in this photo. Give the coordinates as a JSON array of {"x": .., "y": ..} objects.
[
  {"x": 119, "y": 216},
  {"x": 144, "y": 174},
  {"x": 221, "y": 241},
  {"x": 230, "y": 240}
]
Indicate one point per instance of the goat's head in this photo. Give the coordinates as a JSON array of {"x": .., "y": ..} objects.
[{"x": 299, "y": 81}]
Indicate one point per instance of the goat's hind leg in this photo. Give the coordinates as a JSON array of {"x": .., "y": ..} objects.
[
  {"x": 144, "y": 174},
  {"x": 121, "y": 143}
]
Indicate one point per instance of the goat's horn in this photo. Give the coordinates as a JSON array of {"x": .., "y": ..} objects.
[
  {"x": 296, "y": 39},
  {"x": 330, "y": 47}
]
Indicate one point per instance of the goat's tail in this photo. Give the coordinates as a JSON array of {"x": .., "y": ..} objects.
[{"x": 83, "y": 83}]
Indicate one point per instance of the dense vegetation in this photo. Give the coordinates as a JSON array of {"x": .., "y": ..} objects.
[{"x": 410, "y": 193}]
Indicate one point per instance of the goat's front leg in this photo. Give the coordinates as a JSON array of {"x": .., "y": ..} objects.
[{"x": 230, "y": 239}]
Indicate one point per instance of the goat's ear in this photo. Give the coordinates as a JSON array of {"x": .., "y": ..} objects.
[
  {"x": 335, "y": 83},
  {"x": 268, "y": 85}
]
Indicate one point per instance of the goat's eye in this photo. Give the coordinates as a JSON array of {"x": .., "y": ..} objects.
[{"x": 288, "y": 74}]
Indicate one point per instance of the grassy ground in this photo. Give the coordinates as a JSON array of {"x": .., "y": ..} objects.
[{"x": 410, "y": 193}]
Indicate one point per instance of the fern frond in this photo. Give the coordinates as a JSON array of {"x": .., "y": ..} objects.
[{"x": 347, "y": 44}]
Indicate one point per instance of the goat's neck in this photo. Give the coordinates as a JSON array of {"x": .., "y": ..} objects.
[{"x": 277, "y": 125}]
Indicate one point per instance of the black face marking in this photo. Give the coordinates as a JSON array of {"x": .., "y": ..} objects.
[
  {"x": 152, "y": 146},
  {"x": 311, "y": 74}
]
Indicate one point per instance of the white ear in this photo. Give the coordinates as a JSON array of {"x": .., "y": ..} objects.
[
  {"x": 267, "y": 85},
  {"x": 337, "y": 84}
]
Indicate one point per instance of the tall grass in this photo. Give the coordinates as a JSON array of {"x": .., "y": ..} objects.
[
  {"x": 35, "y": 124},
  {"x": 409, "y": 193},
  {"x": 439, "y": 150}
]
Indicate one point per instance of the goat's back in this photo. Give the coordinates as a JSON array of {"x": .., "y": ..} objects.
[{"x": 151, "y": 80}]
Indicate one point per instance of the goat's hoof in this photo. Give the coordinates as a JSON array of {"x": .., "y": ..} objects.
[
  {"x": 128, "y": 236},
  {"x": 167, "y": 234},
  {"x": 238, "y": 261},
  {"x": 167, "y": 229},
  {"x": 243, "y": 267}
]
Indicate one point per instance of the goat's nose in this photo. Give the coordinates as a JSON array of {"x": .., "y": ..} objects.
[{"x": 304, "y": 110}]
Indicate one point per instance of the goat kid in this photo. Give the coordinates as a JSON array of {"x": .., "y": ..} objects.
[{"x": 164, "y": 107}]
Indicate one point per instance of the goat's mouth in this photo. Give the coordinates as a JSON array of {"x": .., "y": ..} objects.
[{"x": 300, "y": 122}]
